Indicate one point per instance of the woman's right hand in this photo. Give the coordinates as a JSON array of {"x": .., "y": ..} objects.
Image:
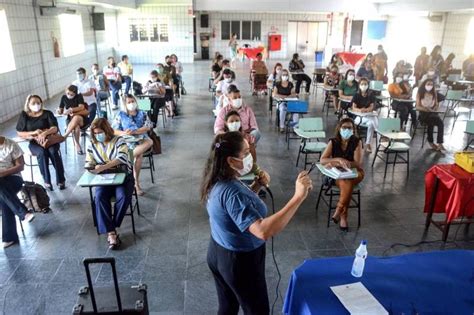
[
  {"x": 344, "y": 163},
  {"x": 303, "y": 185}
]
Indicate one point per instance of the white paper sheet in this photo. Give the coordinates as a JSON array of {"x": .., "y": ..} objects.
[
  {"x": 358, "y": 300},
  {"x": 104, "y": 179}
]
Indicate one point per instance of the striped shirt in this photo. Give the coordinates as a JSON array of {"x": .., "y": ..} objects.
[{"x": 102, "y": 153}]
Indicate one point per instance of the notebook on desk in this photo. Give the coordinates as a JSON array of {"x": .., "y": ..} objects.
[
  {"x": 103, "y": 179},
  {"x": 338, "y": 172}
]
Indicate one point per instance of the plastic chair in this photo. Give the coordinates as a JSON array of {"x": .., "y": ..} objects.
[
  {"x": 333, "y": 192},
  {"x": 308, "y": 129},
  {"x": 390, "y": 147},
  {"x": 454, "y": 98}
]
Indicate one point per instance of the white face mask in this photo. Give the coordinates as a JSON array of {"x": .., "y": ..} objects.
[
  {"x": 228, "y": 80},
  {"x": 398, "y": 79},
  {"x": 233, "y": 126},
  {"x": 406, "y": 77},
  {"x": 132, "y": 106},
  {"x": 364, "y": 87},
  {"x": 380, "y": 51},
  {"x": 237, "y": 103},
  {"x": 431, "y": 72},
  {"x": 278, "y": 71},
  {"x": 428, "y": 87},
  {"x": 350, "y": 77},
  {"x": 247, "y": 165},
  {"x": 35, "y": 107},
  {"x": 284, "y": 78}
]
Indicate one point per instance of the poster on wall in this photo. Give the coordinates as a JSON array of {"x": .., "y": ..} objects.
[{"x": 376, "y": 29}]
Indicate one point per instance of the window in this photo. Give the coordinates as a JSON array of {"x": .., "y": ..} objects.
[
  {"x": 225, "y": 30},
  {"x": 469, "y": 45},
  {"x": 256, "y": 30},
  {"x": 6, "y": 52},
  {"x": 235, "y": 28},
  {"x": 148, "y": 30},
  {"x": 251, "y": 30},
  {"x": 246, "y": 30},
  {"x": 72, "y": 36}
]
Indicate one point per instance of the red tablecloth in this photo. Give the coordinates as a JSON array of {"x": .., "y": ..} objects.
[
  {"x": 455, "y": 191},
  {"x": 350, "y": 58},
  {"x": 251, "y": 52}
]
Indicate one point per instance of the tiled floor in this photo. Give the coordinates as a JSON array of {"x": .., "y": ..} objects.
[{"x": 44, "y": 272}]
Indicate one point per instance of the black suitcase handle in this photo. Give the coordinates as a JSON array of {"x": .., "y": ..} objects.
[{"x": 102, "y": 260}]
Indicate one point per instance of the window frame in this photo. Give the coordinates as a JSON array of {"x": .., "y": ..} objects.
[{"x": 8, "y": 55}]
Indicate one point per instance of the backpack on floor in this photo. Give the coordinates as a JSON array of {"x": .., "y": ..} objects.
[{"x": 35, "y": 197}]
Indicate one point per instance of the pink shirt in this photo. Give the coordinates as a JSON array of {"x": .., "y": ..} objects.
[{"x": 247, "y": 118}]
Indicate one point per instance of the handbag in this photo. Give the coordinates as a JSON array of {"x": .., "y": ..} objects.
[
  {"x": 156, "y": 148},
  {"x": 51, "y": 140}
]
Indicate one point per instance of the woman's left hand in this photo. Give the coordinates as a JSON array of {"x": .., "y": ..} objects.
[
  {"x": 263, "y": 178},
  {"x": 41, "y": 138}
]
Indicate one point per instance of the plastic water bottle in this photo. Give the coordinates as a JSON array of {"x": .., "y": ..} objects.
[{"x": 359, "y": 261}]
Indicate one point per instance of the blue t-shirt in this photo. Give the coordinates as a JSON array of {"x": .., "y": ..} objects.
[{"x": 233, "y": 207}]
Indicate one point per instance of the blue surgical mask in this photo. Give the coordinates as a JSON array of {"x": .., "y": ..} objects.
[
  {"x": 80, "y": 76},
  {"x": 100, "y": 137},
  {"x": 346, "y": 133}
]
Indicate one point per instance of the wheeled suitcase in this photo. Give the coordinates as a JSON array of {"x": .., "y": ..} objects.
[{"x": 108, "y": 300}]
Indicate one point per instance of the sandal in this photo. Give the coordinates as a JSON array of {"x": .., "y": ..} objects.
[
  {"x": 113, "y": 245},
  {"x": 48, "y": 186},
  {"x": 62, "y": 186}
]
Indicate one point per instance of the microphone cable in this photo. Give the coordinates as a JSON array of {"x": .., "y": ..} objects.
[{"x": 277, "y": 288}]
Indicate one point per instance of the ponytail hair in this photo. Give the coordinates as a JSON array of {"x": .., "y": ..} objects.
[{"x": 217, "y": 169}]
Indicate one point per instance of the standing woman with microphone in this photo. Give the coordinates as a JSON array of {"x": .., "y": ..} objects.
[{"x": 240, "y": 226}]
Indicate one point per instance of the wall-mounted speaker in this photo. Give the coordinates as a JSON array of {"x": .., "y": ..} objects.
[{"x": 98, "y": 21}]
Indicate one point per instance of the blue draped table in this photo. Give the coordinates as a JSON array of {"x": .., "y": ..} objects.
[{"x": 440, "y": 282}]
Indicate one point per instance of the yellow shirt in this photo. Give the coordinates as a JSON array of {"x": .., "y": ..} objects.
[{"x": 125, "y": 68}]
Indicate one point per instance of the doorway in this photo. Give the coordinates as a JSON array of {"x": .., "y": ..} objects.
[{"x": 306, "y": 37}]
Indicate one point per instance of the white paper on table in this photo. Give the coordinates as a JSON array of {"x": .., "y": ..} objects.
[
  {"x": 291, "y": 99},
  {"x": 104, "y": 178},
  {"x": 358, "y": 300}
]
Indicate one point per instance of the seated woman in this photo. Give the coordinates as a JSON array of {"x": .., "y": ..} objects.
[
  {"x": 223, "y": 86},
  {"x": 331, "y": 81},
  {"x": 401, "y": 89},
  {"x": 233, "y": 122},
  {"x": 347, "y": 89},
  {"x": 258, "y": 72},
  {"x": 156, "y": 91},
  {"x": 366, "y": 71},
  {"x": 427, "y": 104},
  {"x": 284, "y": 89},
  {"x": 36, "y": 124},
  {"x": 344, "y": 150},
  {"x": 131, "y": 121},
  {"x": 364, "y": 102},
  {"x": 335, "y": 61},
  {"x": 216, "y": 66},
  {"x": 11, "y": 166},
  {"x": 247, "y": 116},
  {"x": 220, "y": 75},
  {"x": 72, "y": 104},
  {"x": 275, "y": 76},
  {"x": 109, "y": 154},
  {"x": 296, "y": 67}
]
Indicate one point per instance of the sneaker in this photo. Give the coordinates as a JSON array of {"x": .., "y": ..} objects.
[
  {"x": 8, "y": 244},
  {"x": 29, "y": 217},
  {"x": 115, "y": 107}
]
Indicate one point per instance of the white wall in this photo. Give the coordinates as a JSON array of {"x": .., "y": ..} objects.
[
  {"x": 407, "y": 34},
  {"x": 29, "y": 77},
  {"x": 271, "y": 22},
  {"x": 180, "y": 35}
]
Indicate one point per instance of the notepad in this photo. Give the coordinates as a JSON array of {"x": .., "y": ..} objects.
[
  {"x": 341, "y": 172},
  {"x": 358, "y": 300}
]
